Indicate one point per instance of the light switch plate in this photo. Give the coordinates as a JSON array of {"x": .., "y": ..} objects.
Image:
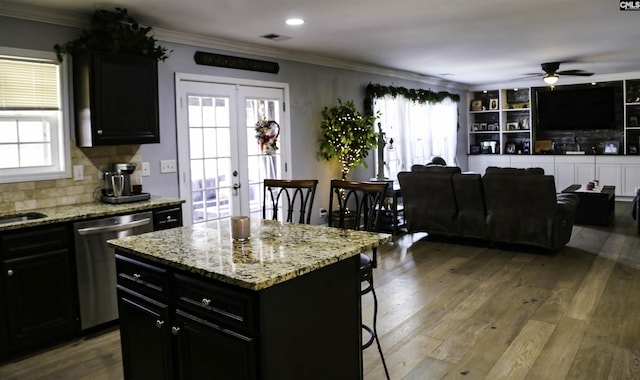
[
  {"x": 78, "y": 172},
  {"x": 167, "y": 166},
  {"x": 146, "y": 169}
]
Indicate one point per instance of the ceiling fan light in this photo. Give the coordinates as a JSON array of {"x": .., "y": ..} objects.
[{"x": 550, "y": 78}]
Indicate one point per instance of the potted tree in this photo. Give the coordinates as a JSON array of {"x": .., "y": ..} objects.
[{"x": 347, "y": 136}]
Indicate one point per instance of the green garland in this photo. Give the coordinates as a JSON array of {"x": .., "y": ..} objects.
[{"x": 419, "y": 96}]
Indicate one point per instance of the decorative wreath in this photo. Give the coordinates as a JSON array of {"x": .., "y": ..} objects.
[{"x": 267, "y": 132}]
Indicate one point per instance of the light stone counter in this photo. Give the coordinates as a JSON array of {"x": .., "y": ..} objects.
[
  {"x": 87, "y": 211},
  {"x": 276, "y": 252}
]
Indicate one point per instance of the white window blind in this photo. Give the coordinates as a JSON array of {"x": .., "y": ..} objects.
[{"x": 28, "y": 85}]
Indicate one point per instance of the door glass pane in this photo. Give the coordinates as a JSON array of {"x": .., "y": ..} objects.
[
  {"x": 260, "y": 166},
  {"x": 209, "y": 136}
]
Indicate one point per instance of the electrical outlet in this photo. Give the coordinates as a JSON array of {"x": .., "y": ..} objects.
[
  {"x": 168, "y": 166},
  {"x": 323, "y": 213},
  {"x": 101, "y": 170},
  {"x": 146, "y": 169},
  {"x": 78, "y": 172}
]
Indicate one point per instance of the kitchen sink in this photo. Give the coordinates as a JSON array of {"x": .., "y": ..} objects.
[{"x": 12, "y": 218}]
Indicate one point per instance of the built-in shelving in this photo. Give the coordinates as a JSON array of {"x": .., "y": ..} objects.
[
  {"x": 632, "y": 117},
  {"x": 500, "y": 121}
]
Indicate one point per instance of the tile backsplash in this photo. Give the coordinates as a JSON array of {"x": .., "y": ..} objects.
[{"x": 25, "y": 196}]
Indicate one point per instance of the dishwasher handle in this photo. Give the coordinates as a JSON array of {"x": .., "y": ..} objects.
[{"x": 114, "y": 228}]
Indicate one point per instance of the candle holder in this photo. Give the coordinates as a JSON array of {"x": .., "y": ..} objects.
[{"x": 240, "y": 228}]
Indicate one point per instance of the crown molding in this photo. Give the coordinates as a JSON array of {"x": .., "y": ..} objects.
[{"x": 77, "y": 20}]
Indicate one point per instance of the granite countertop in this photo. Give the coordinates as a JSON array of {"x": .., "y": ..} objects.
[
  {"x": 86, "y": 211},
  {"x": 276, "y": 252}
]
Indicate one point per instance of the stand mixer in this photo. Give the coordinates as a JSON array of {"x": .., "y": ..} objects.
[{"x": 120, "y": 178}]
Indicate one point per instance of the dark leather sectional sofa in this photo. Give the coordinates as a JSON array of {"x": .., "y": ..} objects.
[{"x": 506, "y": 205}]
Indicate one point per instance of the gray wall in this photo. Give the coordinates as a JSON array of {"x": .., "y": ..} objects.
[{"x": 312, "y": 87}]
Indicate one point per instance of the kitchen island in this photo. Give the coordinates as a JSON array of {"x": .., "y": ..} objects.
[{"x": 283, "y": 305}]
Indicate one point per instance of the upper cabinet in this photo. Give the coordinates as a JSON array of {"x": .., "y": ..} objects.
[{"x": 116, "y": 99}]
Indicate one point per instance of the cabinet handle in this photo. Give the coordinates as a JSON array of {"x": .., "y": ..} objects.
[
  {"x": 175, "y": 330},
  {"x": 206, "y": 302},
  {"x": 159, "y": 323},
  {"x": 10, "y": 272},
  {"x": 137, "y": 276}
]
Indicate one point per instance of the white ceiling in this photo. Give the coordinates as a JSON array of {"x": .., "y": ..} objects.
[{"x": 473, "y": 42}]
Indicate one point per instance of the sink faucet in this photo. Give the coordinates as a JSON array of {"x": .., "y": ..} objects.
[{"x": 575, "y": 139}]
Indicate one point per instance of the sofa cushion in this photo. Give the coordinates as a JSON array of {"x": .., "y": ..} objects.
[
  {"x": 429, "y": 202},
  {"x": 471, "y": 208},
  {"x": 436, "y": 169},
  {"x": 522, "y": 209},
  {"x": 514, "y": 171}
]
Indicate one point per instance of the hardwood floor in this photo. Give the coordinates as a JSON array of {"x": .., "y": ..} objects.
[{"x": 449, "y": 311}]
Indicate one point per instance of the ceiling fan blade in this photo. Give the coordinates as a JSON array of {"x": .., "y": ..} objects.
[{"x": 581, "y": 73}]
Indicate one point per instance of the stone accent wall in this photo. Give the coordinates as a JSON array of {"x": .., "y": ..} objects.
[{"x": 25, "y": 196}]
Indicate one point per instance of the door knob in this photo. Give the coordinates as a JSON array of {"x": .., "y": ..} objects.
[
  {"x": 175, "y": 330},
  {"x": 236, "y": 186},
  {"x": 159, "y": 323}
]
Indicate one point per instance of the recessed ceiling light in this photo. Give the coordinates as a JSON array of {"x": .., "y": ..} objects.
[{"x": 295, "y": 21}]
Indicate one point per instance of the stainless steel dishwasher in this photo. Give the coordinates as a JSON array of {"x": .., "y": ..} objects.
[{"x": 96, "y": 264}]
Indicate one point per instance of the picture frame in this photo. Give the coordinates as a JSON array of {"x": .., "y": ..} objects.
[
  {"x": 474, "y": 149},
  {"x": 526, "y": 147},
  {"x": 483, "y": 126},
  {"x": 524, "y": 123},
  {"x": 510, "y": 148},
  {"x": 610, "y": 147},
  {"x": 512, "y": 126},
  {"x": 475, "y": 127},
  {"x": 543, "y": 146},
  {"x": 476, "y": 105},
  {"x": 493, "y": 103}
]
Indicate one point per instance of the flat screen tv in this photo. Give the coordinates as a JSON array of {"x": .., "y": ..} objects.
[{"x": 578, "y": 107}]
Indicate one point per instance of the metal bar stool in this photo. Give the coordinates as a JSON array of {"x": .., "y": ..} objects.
[
  {"x": 360, "y": 205},
  {"x": 289, "y": 196}
]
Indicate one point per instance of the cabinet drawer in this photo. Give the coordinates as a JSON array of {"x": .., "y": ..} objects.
[
  {"x": 32, "y": 241},
  {"x": 168, "y": 218},
  {"x": 216, "y": 303},
  {"x": 141, "y": 277}
]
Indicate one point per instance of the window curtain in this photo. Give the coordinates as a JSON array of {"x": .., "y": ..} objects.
[{"x": 415, "y": 132}]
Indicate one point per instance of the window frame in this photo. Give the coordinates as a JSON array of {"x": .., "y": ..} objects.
[{"x": 59, "y": 123}]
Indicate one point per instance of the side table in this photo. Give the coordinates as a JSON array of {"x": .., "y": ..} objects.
[{"x": 596, "y": 207}]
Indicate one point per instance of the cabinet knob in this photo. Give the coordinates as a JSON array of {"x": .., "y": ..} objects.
[
  {"x": 206, "y": 302},
  {"x": 99, "y": 131},
  {"x": 10, "y": 272},
  {"x": 159, "y": 323},
  {"x": 175, "y": 330}
]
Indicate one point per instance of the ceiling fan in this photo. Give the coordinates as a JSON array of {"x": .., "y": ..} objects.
[{"x": 552, "y": 74}]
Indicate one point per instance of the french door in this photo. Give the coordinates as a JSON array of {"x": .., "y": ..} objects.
[{"x": 222, "y": 166}]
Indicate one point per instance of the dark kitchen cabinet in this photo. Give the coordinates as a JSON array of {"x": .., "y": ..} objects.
[
  {"x": 222, "y": 331},
  {"x": 145, "y": 335},
  {"x": 167, "y": 218},
  {"x": 116, "y": 99},
  {"x": 37, "y": 286},
  {"x": 170, "y": 332},
  {"x": 203, "y": 345}
]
